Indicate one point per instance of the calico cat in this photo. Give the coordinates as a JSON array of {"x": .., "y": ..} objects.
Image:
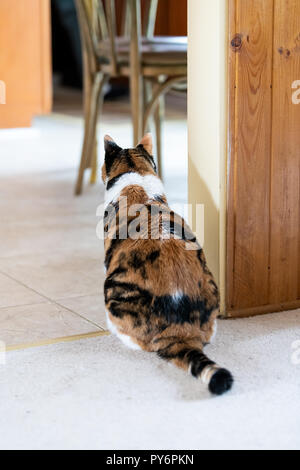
[{"x": 159, "y": 293}]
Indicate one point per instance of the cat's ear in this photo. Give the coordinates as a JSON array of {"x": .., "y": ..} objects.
[
  {"x": 112, "y": 152},
  {"x": 110, "y": 145},
  {"x": 146, "y": 142}
]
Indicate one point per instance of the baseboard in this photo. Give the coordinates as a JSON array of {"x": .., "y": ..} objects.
[{"x": 262, "y": 309}]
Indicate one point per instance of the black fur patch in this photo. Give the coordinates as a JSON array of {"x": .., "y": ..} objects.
[
  {"x": 198, "y": 361},
  {"x": 112, "y": 151},
  {"x": 110, "y": 213},
  {"x": 200, "y": 256},
  {"x": 220, "y": 382},
  {"x": 172, "y": 310},
  {"x": 147, "y": 156},
  {"x": 215, "y": 287},
  {"x": 129, "y": 161},
  {"x": 113, "y": 181},
  {"x": 136, "y": 261},
  {"x": 172, "y": 223},
  {"x": 117, "y": 272},
  {"x": 109, "y": 253},
  {"x": 160, "y": 199},
  {"x": 181, "y": 232},
  {"x": 168, "y": 356},
  {"x": 118, "y": 310},
  {"x": 125, "y": 287},
  {"x": 152, "y": 257},
  {"x": 182, "y": 310}
]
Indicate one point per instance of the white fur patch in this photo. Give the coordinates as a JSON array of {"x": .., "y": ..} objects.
[
  {"x": 207, "y": 373},
  {"x": 177, "y": 296},
  {"x": 151, "y": 184},
  {"x": 124, "y": 338}
]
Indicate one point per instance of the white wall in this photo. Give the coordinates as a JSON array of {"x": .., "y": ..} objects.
[{"x": 207, "y": 104}]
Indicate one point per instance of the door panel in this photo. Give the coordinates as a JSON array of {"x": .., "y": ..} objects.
[
  {"x": 25, "y": 64},
  {"x": 263, "y": 207},
  {"x": 285, "y": 211}
]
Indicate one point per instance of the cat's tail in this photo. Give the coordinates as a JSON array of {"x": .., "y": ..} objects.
[{"x": 219, "y": 380}]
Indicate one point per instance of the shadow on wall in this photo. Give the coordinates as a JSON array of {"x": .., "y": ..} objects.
[{"x": 202, "y": 195}]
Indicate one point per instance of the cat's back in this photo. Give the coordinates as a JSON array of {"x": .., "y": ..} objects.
[{"x": 171, "y": 269}]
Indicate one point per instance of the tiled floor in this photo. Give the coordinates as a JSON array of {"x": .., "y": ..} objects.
[{"x": 51, "y": 261}]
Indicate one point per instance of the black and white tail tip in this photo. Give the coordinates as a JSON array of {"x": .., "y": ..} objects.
[{"x": 217, "y": 379}]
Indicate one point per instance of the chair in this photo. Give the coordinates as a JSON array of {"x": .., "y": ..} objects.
[{"x": 153, "y": 65}]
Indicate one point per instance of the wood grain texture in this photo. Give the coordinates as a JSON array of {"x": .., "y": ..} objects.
[
  {"x": 249, "y": 176},
  {"x": 285, "y": 199},
  {"x": 171, "y": 18},
  {"x": 263, "y": 309},
  {"x": 25, "y": 64},
  {"x": 231, "y": 146},
  {"x": 263, "y": 200}
]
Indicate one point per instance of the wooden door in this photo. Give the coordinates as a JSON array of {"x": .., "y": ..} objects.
[
  {"x": 25, "y": 64},
  {"x": 171, "y": 18},
  {"x": 263, "y": 206}
]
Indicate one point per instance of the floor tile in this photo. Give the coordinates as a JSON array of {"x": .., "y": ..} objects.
[
  {"x": 44, "y": 235},
  {"x": 46, "y": 195},
  {"x": 90, "y": 307},
  {"x": 59, "y": 274},
  {"x": 33, "y": 323},
  {"x": 14, "y": 294}
]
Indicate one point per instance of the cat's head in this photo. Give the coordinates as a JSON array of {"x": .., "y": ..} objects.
[{"x": 119, "y": 161}]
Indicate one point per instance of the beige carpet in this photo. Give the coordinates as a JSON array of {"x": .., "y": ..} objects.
[{"x": 96, "y": 394}]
